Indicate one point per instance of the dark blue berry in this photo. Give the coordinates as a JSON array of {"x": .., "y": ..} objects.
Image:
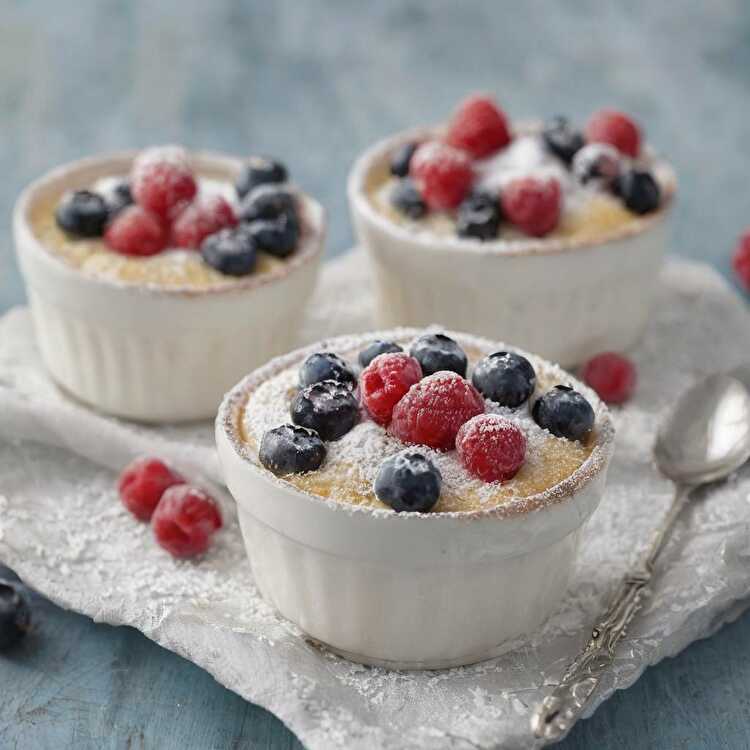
[
  {"x": 291, "y": 449},
  {"x": 118, "y": 197},
  {"x": 15, "y": 615},
  {"x": 326, "y": 366},
  {"x": 505, "y": 377},
  {"x": 561, "y": 139},
  {"x": 405, "y": 197},
  {"x": 437, "y": 352},
  {"x": 278, "y": 237},
  {"x": 259, "y": 171},
  {"x": 401, "y": 159},
  {"x": 328, "y": 407},
  {"x": 479, "y": 216},
  {"x": 639, "y": 191},
  {"x": 82, "y": 213},
  {"x": 565, "y": 413},
  {"x": 267, "y": 202},
  {"x": 230, "y": 251},
  {"x": 408, "y": 482},
  {"x": 376, "y": 348}
]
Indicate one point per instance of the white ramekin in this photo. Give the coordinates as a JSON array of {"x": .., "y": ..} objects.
[
  {"x": 407, "y": 590},
  {"x": 145, "y": 352},
  {"x": 565, "y": 299}
]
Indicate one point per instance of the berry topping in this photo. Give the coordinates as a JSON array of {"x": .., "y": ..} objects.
[
  {"x": 328, "y": 407},
  {"x": 561, "y": 139},
  {"x": 277, "y": 237},
  {"x": 741, "y": 259},
  {"x": 639, "y": 191},
  {"x": 185, "y": 520},
  {"x": 15, "y": 614},
  {"x": 291, "y": 449},
  {"x": 505, "y": 378},
  {"x": 267, "y": 202},
  {"x": 82, "y": 213},
  {"x": 162, "y": 180},
  {"x": 259, "y": 171},
  {"x": 442, "y": 174},
  {"x": 230, "y": 251},
  {"x": 479, "y": 127},
  {"x": 615, "y": 128},
  {"x": 203, "y": 217},
  {"x": 436, "y": 352},
  {"x": 533, "y": 205},
  {"x": 408, "y": 482},
  {"x": 479, "y": 217},
  {"x": 406, "y": 198},
  {"x": 326, "y": 366},
  {"x": 377, "y": 347},
  {"x": 597, "y": 164},
  {"x": 385, "y": 381},
  {"x": 135, "y": 231},
  {"x": 565, "y": 413},
  {"x": 491, "y": 448},
  {"x": 434, "y": 409},
  {"x": 142, "y": 483},
  {"x": 118, "y": 197},
  {"x": 611, "y": 375},
  {"x": 401, "y": 158}
]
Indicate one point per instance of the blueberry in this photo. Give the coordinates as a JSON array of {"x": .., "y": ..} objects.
[
  {"x": 259, "y": 171},
  {"x": 479, "y": 216},
  {"x": 291, "y": 449},
  {"x": 267, "y": 202},
  {"x": 328, "y": 407},
  {"x": 230, "y": 251},
  {"x": 401, "y": 159},
  {"x": 505, "y": 377},
  {"x": 597, "y": 164},
  {"x": 408, "y": 482},
  {"x": 561, "y": 139},
  {"x": 407, "y": 199},
  {"x": 639, "y": 191},
  {"x": 118, "y": 197},
  {"x": 15, "y": 615},
  {"x": 326, "y": 366},
  {"x": 565, "y": 413},
  {"x": 376, "y": 348},
  {"x": 82, "y": 213},
  {"x": 278, "y": 237},
  {"x": 436, "y": 352}
]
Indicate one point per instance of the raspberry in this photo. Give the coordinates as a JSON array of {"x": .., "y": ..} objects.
[
  {"x": 185, "y": 520},
  {"x": 615, "y": 128},
  {"x": 479, "y": 127},
  {"x": 611, "y": 375},
  {"x": 162, "y": 181},
  {"x": 741, "y": 259},
  {"x": 201, "y": 218},
  {"x": 142, "y": 483},
  {"x": 442, "y": 174},
  {"x": 533, "y": 205},
  {"x": 491, "y": 448},
  {"x": 434, "y": 409},
  {"x": 135, "y": 231},
  {"x": 385, "y": 381}
]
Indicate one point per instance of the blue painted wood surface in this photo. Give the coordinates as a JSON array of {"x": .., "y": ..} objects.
[{"x": 314, "y": 83}]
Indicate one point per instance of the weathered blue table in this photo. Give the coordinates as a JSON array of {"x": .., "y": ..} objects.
[{"x": 315, "y": 83}]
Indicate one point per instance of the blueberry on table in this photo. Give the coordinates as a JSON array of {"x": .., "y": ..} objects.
[
  {"x": 15, "y": 614},
  {"x": 118, "y": 197},
  {"x": 639, "y": 191},
  {"x": 479, "y": 216},
  {"x": 565, "y": 413},
  {"x": 231, "y": 251},
  {"x": 375, "y": 349},
  {"x": 437, "y": 352},
  {"x": 328, "y": 407},
  {"x": 408, "y": 482},
  {"x": 291, "y": 449},
  {"x": 267, "y": 202},
  {"x": 82, "y": 213},
  {"x": 277, "y": 237},
  {"x": 405, "y": 197},
  {"x": 505, "y": 377},
  {"x": 401, "y": 158},
  {"x": 326, "y": 366},
  {"x": 561, "y": 139},
  {"x": 259, "y": 170}
]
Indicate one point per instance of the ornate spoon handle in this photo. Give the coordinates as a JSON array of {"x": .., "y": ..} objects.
[{"x": 561, "y": 709}]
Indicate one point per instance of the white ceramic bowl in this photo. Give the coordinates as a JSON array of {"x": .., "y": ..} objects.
[
  {"x": 147, "y": 352},
  {"x": 407, "y": 590},
  {"x": 564, "y": 299}
]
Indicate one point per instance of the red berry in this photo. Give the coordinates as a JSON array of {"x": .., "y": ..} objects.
[
  {"x": 385, "y": 381},
  {"x": 162, "y": 181},
  {"x": 201, "y": 218},
  {"x": 491, "y": 448},
  {"x": 612, "y": 376},
  {"x": 142, "y": 483},
  {"x": 185, "y": 520},
  {"x": 442, "y": 174},
  {"x": 741, "y": 259},
  {"x": 615, "y": 128},
  {"x": 434, "y": 409},
  {"x": 533, "y": 205},
  {"x": 135, "y": 231},
  {"x": 479, "y": 127}
]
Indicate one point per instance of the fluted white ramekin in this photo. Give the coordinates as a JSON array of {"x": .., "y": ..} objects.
[
  {"x": 407, "y": 590},
  {"x": 149, "y": 353},
  {"x": 563, "y": 298}
]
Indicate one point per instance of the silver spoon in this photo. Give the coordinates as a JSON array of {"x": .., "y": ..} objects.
[{"x": 705, "y": 438}]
